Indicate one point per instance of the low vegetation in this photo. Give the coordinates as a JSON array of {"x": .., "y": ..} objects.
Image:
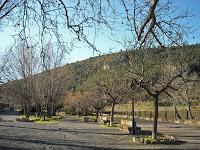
[
  {"x": 53, "y": 119},
  {"x": 161, "y": 139}
]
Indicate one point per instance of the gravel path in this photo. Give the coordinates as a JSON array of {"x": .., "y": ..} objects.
[{"x": 73, "y": 134}]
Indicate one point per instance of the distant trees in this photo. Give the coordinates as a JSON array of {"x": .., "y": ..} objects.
[
  {"x": 51, "y": 80},
  {"x": 97, "y": 103},
  {"x": 78, "y": 103},
  {"x": 106, "y": 84},
  {"x": 34, "y": 79},
  {"x": 189, "y": 94}
]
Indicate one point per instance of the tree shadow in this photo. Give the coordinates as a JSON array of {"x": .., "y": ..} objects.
[
  {"x": 11, "y": 148},
  {"x": 9, "y": 113},
  {"x": 89, "y": 131},
  {"x": 68, "y": 144}
]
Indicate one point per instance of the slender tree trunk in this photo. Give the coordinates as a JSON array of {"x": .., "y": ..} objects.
[
  {"x": 49, "y": 111},
  {"x": 190, "y": 111},
  {"x": 176, "y": 114},
  {"x": 112, "y": 114},
  {"x": 97, "y": 114},
  {"x": 46, "y": 109},
  {"x": 44, "y": 116},
  {"x": 36, "y": 110},
  {"x": 53, "y": 111},
  {"x": 26, "y": 110},
  {"x": 133, "y": 117},
  {"x": 155, "y": 117}
]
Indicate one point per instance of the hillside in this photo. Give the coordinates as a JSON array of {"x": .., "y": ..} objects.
[
  {"x": 80, "y": 76},
  {"x": 90, "y": 68}
]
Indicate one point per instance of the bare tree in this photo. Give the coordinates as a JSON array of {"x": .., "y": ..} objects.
[
  {"x": 7, "y": 7},
  {"x": 155, "y": 23},
  {"x": 21, "y": 66},
  {"x": 52, "y": 79},
  {"x": 113, "y": 89},
  {"x": 79, "y": 103},
  {"x": 189, "y": 93},
  {"x": 41, "y": 21},
  {"x": 154, "y": 75}
]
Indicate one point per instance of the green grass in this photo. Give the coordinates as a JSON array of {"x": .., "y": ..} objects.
[
  {"x": 53, "y": 119},
  {"x": 108, "y": 126},
  {"x": 161, "y": 139}
]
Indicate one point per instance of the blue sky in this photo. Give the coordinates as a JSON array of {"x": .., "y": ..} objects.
[
  {"x": 105, "y": 43},
  {"x": 194, "y": 7}
]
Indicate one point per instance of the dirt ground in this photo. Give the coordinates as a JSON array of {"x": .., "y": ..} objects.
[{"x": 71, "y": 134}]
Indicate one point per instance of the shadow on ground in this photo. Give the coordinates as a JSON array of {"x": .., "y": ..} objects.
[
  {"x": 67, "y": 143},
  {"x": 11, "y": 148}
]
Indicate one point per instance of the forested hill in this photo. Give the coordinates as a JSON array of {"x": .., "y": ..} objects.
[
  {"x": 80, "y": 76},
  {"x": 83, "y": 70}
]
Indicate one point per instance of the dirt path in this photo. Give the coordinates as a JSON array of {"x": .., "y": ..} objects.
[{"x": 73, "y": 134}]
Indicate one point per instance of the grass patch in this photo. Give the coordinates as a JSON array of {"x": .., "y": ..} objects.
[
  {"x": 108, "y": 126},
  {"x": 53, "y": 119},
  {"x": 161, "y": 139}
]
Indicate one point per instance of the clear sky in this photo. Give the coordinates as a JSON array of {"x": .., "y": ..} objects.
[{"x": 105, "y": 43}]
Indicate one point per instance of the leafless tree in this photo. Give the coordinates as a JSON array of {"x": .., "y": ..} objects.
[
  {"x": 21, "y": 66},
  {"x": 41, "y": 21},
  {"x": 188, "y": 93},
  {"x": 154, "y": 75},
  {"x": 113, "y": 89},
  {"x": 155, "y": 23},
  {"x": 52, "y": 79},
  {"x": 7, "y": 7},
  {"x": 79, "y": 103}
]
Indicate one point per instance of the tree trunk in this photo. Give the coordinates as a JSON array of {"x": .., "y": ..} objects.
[
  {"x": 190, "y": 111},
  {"x": 176, "y": 114},
  {"x": 49, "y": 111},
  {"x": 26, "y": 110},
  {"x": 112, "y": 114},
  {"x": 53, "y": 111},
  {"x": 97, "y": 115},
  {"x": 155, "y": 117},
  {"x": 133, "y": 117},
  {"x": 44, "y": 116}
]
